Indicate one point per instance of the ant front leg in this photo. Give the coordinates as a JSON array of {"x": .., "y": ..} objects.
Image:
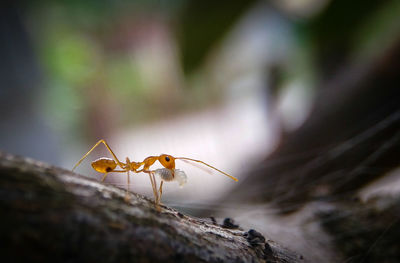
[
  {"x": 157, "y": 201},
  {"x": 153, "y": 184},
  {"x": 160, "y": 191}
]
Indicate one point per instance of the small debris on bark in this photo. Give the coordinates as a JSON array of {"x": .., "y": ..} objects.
[
  {"x": 254, "y": 237},
  {"x": 229, "y": 223},
  {"x": 213, "y": 220},
  {"x": 180, "y": 214}
]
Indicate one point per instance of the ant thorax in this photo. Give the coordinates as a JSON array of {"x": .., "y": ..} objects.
[{"x": 166, "y": 175}]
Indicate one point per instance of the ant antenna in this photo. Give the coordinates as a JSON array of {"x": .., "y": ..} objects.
[{"x": 198, "y": 161}]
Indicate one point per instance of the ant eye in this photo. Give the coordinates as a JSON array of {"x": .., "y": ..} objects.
[{"x": 167, "y": 158}]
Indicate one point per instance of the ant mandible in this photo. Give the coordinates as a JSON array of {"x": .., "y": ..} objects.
[{"x": 168, "y": 173}]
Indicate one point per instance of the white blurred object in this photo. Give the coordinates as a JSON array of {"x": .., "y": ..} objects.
[
  {"x": 388, "y": 185},
  {"x": 302, "y": 8},
  {"x": 166, "y": 175},
  {"x": 232, "y": 136},
  {"x": 294, "y": 104}
]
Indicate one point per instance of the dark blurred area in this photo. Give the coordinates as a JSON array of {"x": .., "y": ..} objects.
[
  {"x": 298, "y": 99},
  {"x": 22, "y": 128}
]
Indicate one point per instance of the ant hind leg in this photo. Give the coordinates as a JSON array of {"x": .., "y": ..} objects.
[
  {"x": 104, "y": 177},
  {"x": 97, "y": 144}
]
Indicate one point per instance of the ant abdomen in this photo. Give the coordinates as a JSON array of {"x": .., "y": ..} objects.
[{"x": 104, "y": 165}]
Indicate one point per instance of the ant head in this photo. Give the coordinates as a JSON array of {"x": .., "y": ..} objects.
[
  {"x": 104, "y": 165},
  {"x": 167, "y": 161}
]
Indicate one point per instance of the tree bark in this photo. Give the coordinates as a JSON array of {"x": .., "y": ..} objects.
[
  {"x": 49, "y": 214},
  {"x": 365, "y": 231}
]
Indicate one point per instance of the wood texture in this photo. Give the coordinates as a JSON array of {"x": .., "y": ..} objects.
[{"x": 50, "y": 214}]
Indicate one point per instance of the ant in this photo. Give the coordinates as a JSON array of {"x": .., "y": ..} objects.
[{"x": 168, "y": 173}]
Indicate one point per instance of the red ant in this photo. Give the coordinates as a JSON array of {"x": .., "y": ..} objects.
[{"x": 168, "y": 173}]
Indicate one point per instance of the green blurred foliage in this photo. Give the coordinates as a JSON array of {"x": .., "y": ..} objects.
[
  {"x": 72, "y": 60},
  {"x": 94, "y": 52},
  {"x": 125, "y": 75},
  {"x": 378, "y": 32},
  {"x": 337, "y": 31},
  {"x": 202, "y": 24},
  {"x": 86, "y": 67}
]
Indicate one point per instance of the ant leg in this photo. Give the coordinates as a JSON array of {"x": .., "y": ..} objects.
[
  {"x": 153, "y": 184},
  {"x": 127, "y": 180},
  {"x": 153, "y": 178},
  {"x": 114, "y": 171},
  {"x": 104, "y": 177},
  {"x": 128, "y": 163},
  {"x": 97, "y": 144},
  {"x": 127, "y": 197},
  {"x": 159, "y": 198}
]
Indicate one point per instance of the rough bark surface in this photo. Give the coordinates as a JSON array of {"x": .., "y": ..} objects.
[
  {"x": 365, "y": 232},
  {"x": 50, "y": 214}
]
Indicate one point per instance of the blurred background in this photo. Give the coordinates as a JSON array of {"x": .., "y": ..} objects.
[{"x": 298, "y": 99}]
